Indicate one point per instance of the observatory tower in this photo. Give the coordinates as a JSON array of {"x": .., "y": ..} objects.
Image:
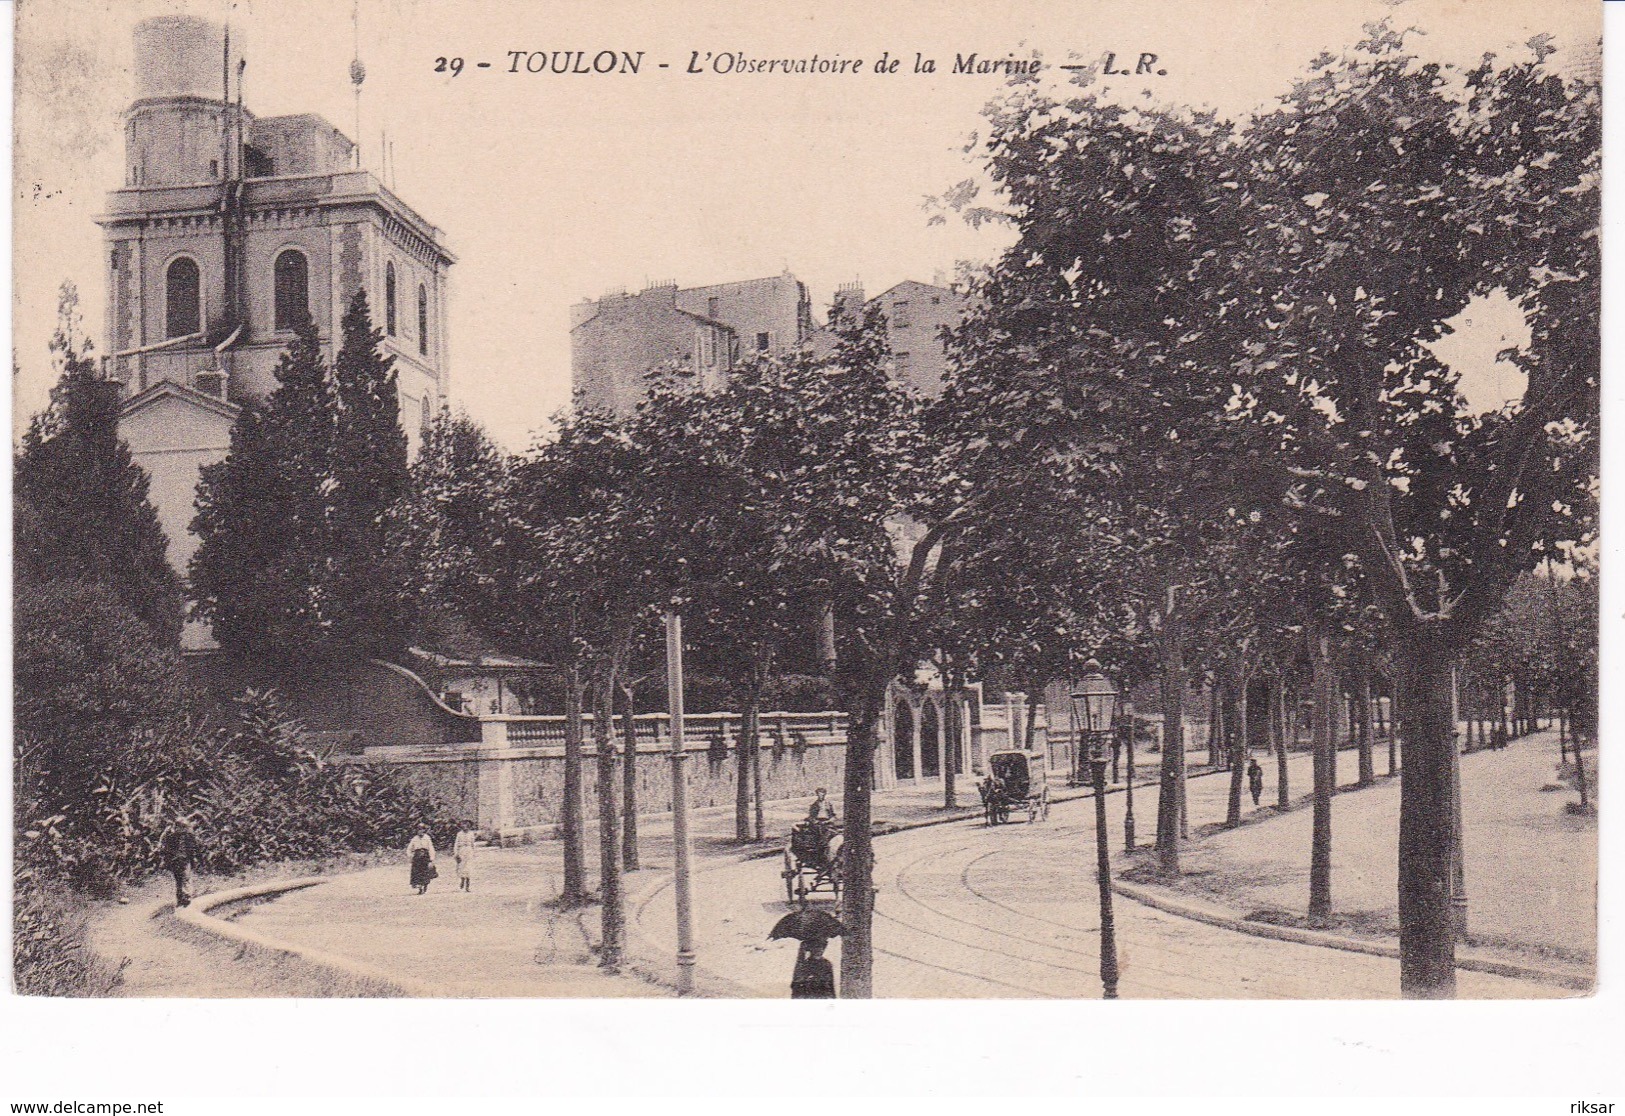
[{"x": 228, "y": 230}]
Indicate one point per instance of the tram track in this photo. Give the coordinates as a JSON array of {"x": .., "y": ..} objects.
[
  {"x": 1089, "y": 973},
  {"x": 990, "y": 913},
  {"x": 1142, "y": 933}
]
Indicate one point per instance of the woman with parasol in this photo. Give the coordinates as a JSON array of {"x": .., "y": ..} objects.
[{"x": 814, "y": 976}]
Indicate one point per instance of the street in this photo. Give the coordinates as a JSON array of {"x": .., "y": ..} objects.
[
  {"x": 963, "y": 910},
  {"x": 966, "y": 911}
]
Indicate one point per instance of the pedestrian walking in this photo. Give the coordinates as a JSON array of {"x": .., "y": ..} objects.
[
  {"x": 462, "y": 850},
  {"x": 179, "y": 852},
  {"x": 1255, "y": 779},
  {"x": 814, "y": 978},
  {"x": 421, "y": 850}
]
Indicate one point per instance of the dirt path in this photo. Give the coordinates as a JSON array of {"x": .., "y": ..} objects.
[{"x": 165, "y": 958}]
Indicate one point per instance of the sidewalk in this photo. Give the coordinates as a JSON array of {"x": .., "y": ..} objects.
[{"x": 1531, "y": 867}]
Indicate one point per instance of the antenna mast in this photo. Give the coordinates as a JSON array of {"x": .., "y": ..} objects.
[{"x": 358, "y": 74}]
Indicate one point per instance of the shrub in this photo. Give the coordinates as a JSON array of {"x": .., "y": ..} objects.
[
  {"x": 89, "y": 675},
  {"x": 50, "y": 953},
  {"x": 257, "y": 793}
]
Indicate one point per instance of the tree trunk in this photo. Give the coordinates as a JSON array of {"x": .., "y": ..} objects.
[
  {"x": 1394, "y": 728},
  {"x": 1035, "y": 690},
  {"x": 1173, "y": 754},
  {"x": 1278, "y": 727},
  {"x": 629, "y": 782},
  {"x": 570, "y": 809},
  {"x": 1215, "y": 723},
  {"x": 1238, "y": 754},
  {"x": 742, "y": 758},
  {"x": 1334, "y": 700},
  {"x": 1427, "y": 965},
  {"x": 1324, "y": 744},
  {"x": 857, "y": 896},
  {"x": 1362, "y": 725},
  {"x": 609, "y": 835},
  {"x": 756, "y": 791}
]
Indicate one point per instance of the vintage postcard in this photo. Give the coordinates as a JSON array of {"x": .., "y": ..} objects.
[{"x": 909, "y": 501}]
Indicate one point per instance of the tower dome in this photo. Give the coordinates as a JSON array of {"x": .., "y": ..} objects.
[
  {"x": 175, "y": 129},
  {"x": 182, "y": 56}
]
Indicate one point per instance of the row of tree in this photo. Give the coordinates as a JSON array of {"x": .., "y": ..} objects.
[{"x": 1197, "y": 424}]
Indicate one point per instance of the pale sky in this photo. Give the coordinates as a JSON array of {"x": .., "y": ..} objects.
[{"x": 554, "y": 188}]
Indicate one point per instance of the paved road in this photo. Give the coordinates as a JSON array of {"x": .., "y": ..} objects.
[{"x": 967, "y": 911}]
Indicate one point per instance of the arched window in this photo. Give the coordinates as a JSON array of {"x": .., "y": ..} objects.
[
  {"x": 423, "y": 320},
  {"x": 183, "y": 307},
  {"x": 292, "y": 289},
  {"x": 389, "y": 299}
]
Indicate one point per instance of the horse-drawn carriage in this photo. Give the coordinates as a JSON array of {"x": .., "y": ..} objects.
[
  {"x": 813, "y": 860},
  {"x": 1016, "y": 781}
]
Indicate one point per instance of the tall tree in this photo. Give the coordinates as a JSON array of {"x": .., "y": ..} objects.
[
  {"x": 449, "y": 528},
  {"x": 1285, "y": 282},
  {"x": 576, "y": 577},
  {"x": 715, "y": 485},
  {"x": 294, "y": 563},
  {"x": 846, "y": 483},
  {"x": 370, "y": 475},
  {"x": 81, "y": 509},
  {"x": 1386, "y": 202}
]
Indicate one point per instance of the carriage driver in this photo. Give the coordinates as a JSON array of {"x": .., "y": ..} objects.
[{"x": 821, "y": 812}]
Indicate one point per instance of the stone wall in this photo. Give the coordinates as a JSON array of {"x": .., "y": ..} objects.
[{"x": 521, "y": 787}]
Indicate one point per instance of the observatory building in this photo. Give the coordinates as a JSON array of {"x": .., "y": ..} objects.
[{"x": 228, "y": 230}]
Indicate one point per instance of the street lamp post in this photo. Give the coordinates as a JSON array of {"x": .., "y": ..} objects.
[
  {"x": 1128, "y": 788},
  {"x": 1095, "y": 703},
  {"x": 679, "y": 807}
]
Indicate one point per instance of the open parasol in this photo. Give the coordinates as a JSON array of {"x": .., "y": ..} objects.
[{"x": 808, "y": 925}]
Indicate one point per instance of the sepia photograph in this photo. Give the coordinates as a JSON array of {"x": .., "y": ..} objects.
[{"x": 1078, "y": 502}]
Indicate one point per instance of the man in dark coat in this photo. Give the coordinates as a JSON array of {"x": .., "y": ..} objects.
[
  {"x": 179, "y": 852},
  {"x": 814, "y": 978},
  {"x": 1255, "y": 779}
]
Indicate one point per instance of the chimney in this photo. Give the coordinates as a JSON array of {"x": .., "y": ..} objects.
[{"x": 848, "y": 299}]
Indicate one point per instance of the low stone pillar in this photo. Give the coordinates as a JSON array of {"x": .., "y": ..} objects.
[{"x": 495, "y": 772}]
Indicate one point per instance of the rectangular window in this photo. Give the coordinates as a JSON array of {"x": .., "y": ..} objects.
[
  {"x": 712, "y": 305},
  {"x": 903, "y": 362},
  {"x": 763, "y": 342},
  {"x": 899, "y": 315}
]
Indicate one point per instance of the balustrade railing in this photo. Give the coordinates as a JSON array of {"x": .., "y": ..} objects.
[{"x": 700, "y": 730}]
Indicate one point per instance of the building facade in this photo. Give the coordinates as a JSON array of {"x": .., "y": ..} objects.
[
  {"x": 228, "y": 230},
  {"x": 617, "y": 340},
  {"x": 916, "y": 316},
  {"x": 620, "y": 339}
]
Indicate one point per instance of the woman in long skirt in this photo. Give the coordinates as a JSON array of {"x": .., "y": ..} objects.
[
  {"x": 421, "y": 850},
  {"x": 463, "y": 851}
]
